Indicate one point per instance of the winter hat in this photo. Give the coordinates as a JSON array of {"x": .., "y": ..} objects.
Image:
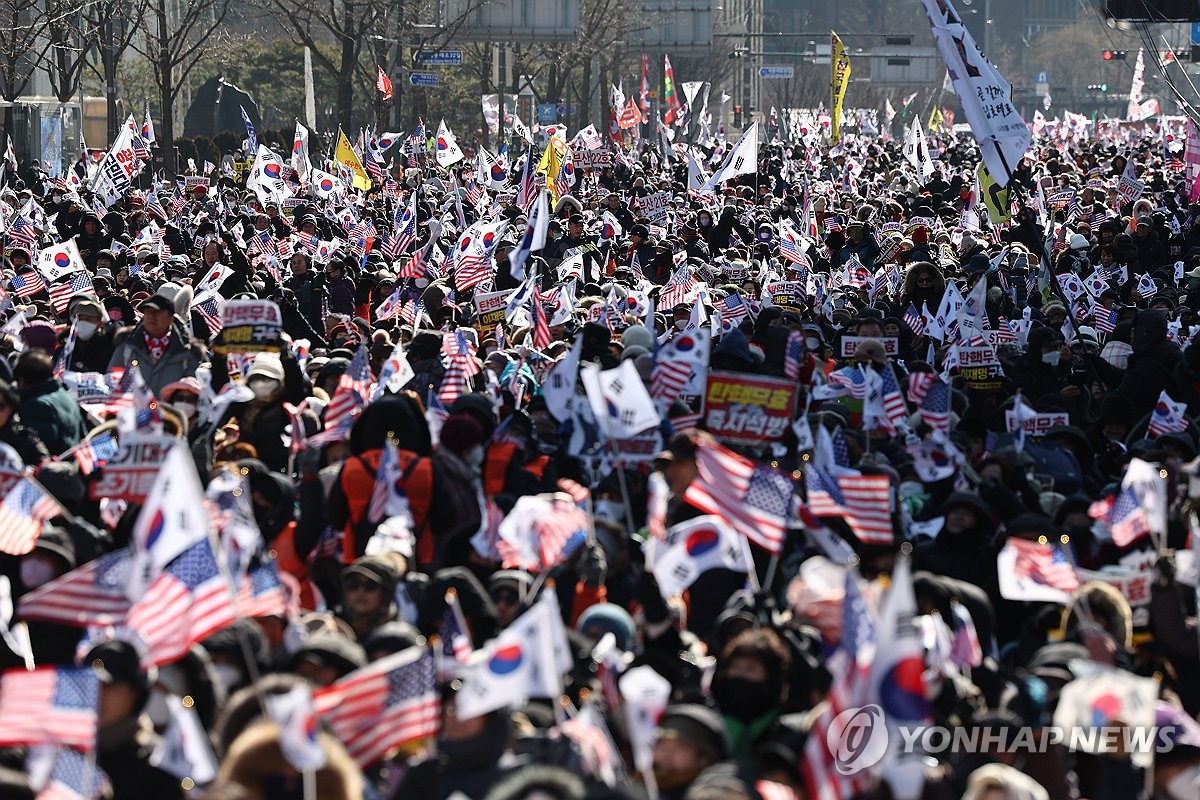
[
  {"x": 609, "y": 618},
  {"x": 1078, "y": 242},
  {"x": 637, "y": 336},
  {"x": 40, "y": 335},
  {"x": 460, "y": 433}
]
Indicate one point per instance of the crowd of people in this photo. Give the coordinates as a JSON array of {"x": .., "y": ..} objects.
[{"x": 633, "y": 511}]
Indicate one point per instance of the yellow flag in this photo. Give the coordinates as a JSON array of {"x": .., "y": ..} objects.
[
  {"x": 551, "y": 164},
  {"x": 839, "y": 77},
  {"x": 935, "y": 119},
  {"x": 344, "y": 154},
  {"x": 994, "y": 196}
]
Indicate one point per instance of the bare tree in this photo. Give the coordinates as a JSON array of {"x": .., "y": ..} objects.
[
  {"x": 23, "y": 45},
  {"x": 178, "y": 34},
  {"x": 70, "y": 33},
  {"x": 112, "y": 25}
]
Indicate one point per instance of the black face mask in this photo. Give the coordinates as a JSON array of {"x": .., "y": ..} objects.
[{"x": 743, "y": 699}]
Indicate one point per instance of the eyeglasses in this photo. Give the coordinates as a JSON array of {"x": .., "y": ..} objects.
[{"x": 354, "y": 584}]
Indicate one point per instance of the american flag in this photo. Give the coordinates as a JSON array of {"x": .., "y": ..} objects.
[
  {"x": 383, "y": 705},
  {"x": 670, "y": 374},
  {"x": 864, "y": 501},
  {"x": 311, "y": 242},
  {"x": 93, "y": 594},
  {"x": 677, "y": 289},
  {"x": 733, "y": 309},
  {"x": 915, "y": 320},
  {"x": 852, "y": 380},
  {"x": 918, "y": 386},
  {"x": 404, "y": 227},
  {"x": 186, "y": 603},
  {"x": 262, "y": 593},
  {"x": 541, "y": 329},
  {"x": 412, "y": 312},
  {"x": 1044, "y": 563},
  {"x": 73, "y": 777},
  {"x": 850, "y": 664},
  {"x": 754, "y": 498},
  {"x": 1106, "y": 320},
  {"x": 27, "y": 284},
  {"x": 22, "y": 233},
  {"x": 1123, "y": 515},
  {"x": 793, "y": 356},
  {"x": 23, "y": 511},
  {"x": 94, "y": 453},
  {"x": 210, "y": 311},
  {"x": 154, "y": 206},
  {"x": 456, "y": 641},
  {"x": 77, "y": 284},
  {"x": 50, "y": 705},
  {"x": 353, "y": 389},
  {"x": 474, "y": 192},
  {"x": 635, "y": 266},
  {"x": 544, "y": 541},
  {"x": 935, "y": 408},
  {"x": 473, "y": 268},
  {"x": 461, "y": 366},
  {"x": 790, "y": 249},
  {"x": 893, "y": 400}
]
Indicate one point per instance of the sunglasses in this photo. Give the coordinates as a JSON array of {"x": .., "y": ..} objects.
[{"x": 354, "y": 584}]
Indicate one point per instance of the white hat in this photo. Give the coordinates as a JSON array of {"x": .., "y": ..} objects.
[
  {"x": 1079, "y": 242},
  {"x": 267, "y": 365}
]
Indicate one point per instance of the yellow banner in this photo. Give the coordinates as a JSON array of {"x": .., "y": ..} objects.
[
  {"x": 344, "y": 154},
  {"x": 839, "y": 77},
  {"x": 994, "y": 196},
  {"x": 551, "y": 164},
  {"x": 935, "y": 119}
]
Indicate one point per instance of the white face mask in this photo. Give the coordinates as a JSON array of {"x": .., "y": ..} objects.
[
  {"x": 35, "y": 572},
  {"x": 421, "y": 282},
  {"x": 85, "y": 330},
  {"x": 186, "y": 407},
  {"x": 1185, "y": 785},
  {"x": 1051, "y": 358},
  {"x": 263, "y": 387},
  {"x": 607, "y": 509},
  {"x": 812, "y": 343},
  {"x": 680, "y": 324}
]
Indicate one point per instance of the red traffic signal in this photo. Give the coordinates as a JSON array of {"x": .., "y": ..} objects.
[
  {"x": 1113, "y": 55},
  {"x": 1107, "y": 55}
]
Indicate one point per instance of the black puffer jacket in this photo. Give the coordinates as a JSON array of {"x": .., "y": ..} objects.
[{"x": 1151, "y": 368}]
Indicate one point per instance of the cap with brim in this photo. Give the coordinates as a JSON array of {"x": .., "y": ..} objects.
[
  {"x": 57, "y": 542},
  {"x": 697, "y": 725},
  {"x": 329, "y": 650},
  {"x": 86, "y": 307},
  {"x": 156, "y": 302},
  {"x": 374, "y": 568}
]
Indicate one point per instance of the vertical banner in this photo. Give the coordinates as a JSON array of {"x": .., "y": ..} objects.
[{"x": 839, "y": 77}]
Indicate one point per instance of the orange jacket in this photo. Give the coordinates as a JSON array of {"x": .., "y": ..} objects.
[
  {"x": 288, "y": 560},
  {"x": 358, "y": 483}
]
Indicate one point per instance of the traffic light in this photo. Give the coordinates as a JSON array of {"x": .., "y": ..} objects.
[
  {"x": 737, "y": 116},
  {"x": 1113, "y": 55},
  {"x": 1098, "y": 87}
]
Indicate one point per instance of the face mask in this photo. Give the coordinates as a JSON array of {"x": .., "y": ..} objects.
[
  {"x": 1184, "y": 785},
  {"x": 1051, "y": 358},
  {"x": 812, "y": 343},
  {"x": 421, "y": 282},
  {"x": 474, "y": 457},
  {"x": 743, "y": 699},
  {"x": 263, "y": 388},
  {"x": 57, "y": 198},
  {"x": 85, "y": 330},
  {"x": 35, "y": 572},
  {"x": 187, "y": 408},
  {"x": 680, "y": 324}
]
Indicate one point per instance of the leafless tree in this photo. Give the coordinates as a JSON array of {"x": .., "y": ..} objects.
[
  {"x": 176, "y": 36},
  {"x": 111, "y": 25}
]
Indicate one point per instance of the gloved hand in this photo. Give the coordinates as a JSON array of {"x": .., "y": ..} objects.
[{"x": 593, "y": 568}]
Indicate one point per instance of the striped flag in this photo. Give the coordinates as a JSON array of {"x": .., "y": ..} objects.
[
  {"x": 73, "y": 776},
  {"x": 462, "y": 365},
  {"x": 27, "y": 284},
  {"x": 893, "y": 401},
  {"x": 353, "y": 389},
  {"x": 188, "y": 602},
  {"x": 918, "y": 386},
  {"x": 454, "y": 633},
  {"x": 1168, "y": 416},
  {"x": 793, "y": 356},
  {"x": 50, "y": 705},
  {"x": 262, "y": 593},
  {"x": 733, "y": 309},
  {"x": 1044, "y": 563},
  {"x": 383, "y": 705},
  {"x": 22, "y": 233},
  {"x": 935, "y": 407},
  {"x": 79, "y": 283},
  {"x": 864, "y": 501},
  {"x": 850, "y": 664},
  {"x": 1123, "y": 515},
  {"x": 541, "y": 330},
  {"x": 915, "y": 320},
  {"x": 1106, "y": 320},
  {"x": 540, "y": 532},
  {"x": 23, "y": 511},
  {"x": 94, "y": 453},
  {"x": 752, "y": 497},
  {"x": 93, "y": 594}
]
